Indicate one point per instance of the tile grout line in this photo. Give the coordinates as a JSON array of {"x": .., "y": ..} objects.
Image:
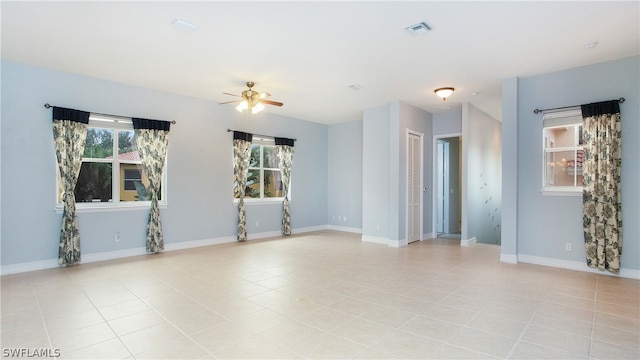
[
  {"x": 106, "y": 322},
  {"x": 593, "y": 318},
  {"x": 44, "y": 323},
  {"x": 519, "y": 339}
]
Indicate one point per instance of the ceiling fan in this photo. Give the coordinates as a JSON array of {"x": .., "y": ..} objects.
[{"x": 252, "y": 100}]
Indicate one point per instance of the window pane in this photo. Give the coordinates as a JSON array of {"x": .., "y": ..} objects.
[
  {"x": 127, "y": 150},
  {"x": 272, "y": 184},
  {"x": 561, "y": 167},
  {"x": 94, "y": 183},
  {"x": 99, "y": 144},
  {"x": 560, "y": 137},
  {"x": 271, "y": 157},
  {"x": 253, "y": 184},
  {"x": 255, "y": 156}
]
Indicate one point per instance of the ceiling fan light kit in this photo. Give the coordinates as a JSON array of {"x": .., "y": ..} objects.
[
  {"x": 444, "y": 92},
  {"x": 252, "y": 100}
]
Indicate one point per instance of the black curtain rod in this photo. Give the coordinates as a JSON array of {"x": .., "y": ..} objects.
[
  {"x": 47, "y": 105},
  {"x": 537, "y": 111},
  {"x": 268, "y": 136}
]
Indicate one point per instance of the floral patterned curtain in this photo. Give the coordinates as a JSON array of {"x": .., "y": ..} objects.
[
  {"x": 152, "y": 138},
  {"x": 602, "y": 211},
  {"x": 69, "y": 134},
  {"x": 241, "y": 159},
  {"x": 285, "y": 155}
]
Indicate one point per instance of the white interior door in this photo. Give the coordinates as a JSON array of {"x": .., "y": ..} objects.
[{"x": 414, "y": 187}]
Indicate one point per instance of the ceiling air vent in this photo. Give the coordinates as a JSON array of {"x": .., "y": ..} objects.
[{"x": 419, "y": 29}]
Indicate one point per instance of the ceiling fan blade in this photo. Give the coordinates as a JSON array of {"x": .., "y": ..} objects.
[
  {"x": 269, "y": 102},
  {"x": 231, "y": 94},
  {"x": 229, "y": 102}
]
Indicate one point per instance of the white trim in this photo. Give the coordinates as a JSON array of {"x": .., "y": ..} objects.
[
  {"x": 508, "y": 258},
  {"x": 398, "y": 243},
  {"x": 29, "y": 266},
  {"x": 199, "y": 243},
  {"x": 121, "y": 206},
  {"x": 428, "y": 236},
  {"x": 345, "y": 229},
  {"x": 375, "y": 239},
  {"x": 421, "y": 187},
  {"x": 119, "y": 254},
  {"x": 575, "y": 265},
  {"x": 467, "y": 242},
  {"x": 562, "y": 192},
  {"x": 434, "y": 195}
]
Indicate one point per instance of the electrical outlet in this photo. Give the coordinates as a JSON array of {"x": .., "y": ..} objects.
[
  {"x": 345, "y": 219},
  {"x": 257, "y": 223},
  {"x": 117, "y": 237},
  {"x": 567, "y": 246}
]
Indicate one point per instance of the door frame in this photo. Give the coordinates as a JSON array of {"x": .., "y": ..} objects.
[
  {"x": 444, "y": 202},
  {"x": 434, "y": 200},
  {"x": 421, "y": 161}
]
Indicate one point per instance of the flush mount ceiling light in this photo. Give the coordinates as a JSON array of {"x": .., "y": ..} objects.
[
  {"x": 590, "y": 44},
  {"x": 419, "y": 28},
  {"x": 184, "y": 25},
  {"x": 444, "y": 92}
]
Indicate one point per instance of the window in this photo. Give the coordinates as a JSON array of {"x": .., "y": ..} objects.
[
  {"x": 263, "y": 179},
  {"x": 107, "y": 180},
  {"x": 563, "y": 151}
]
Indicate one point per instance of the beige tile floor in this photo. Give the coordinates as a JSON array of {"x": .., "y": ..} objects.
[{"x": 322, "y": 295}]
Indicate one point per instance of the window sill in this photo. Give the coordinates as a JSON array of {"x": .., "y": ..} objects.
[
  {"x": 138, "y": 206},
  {"x": 261, "y": 201},
  {"x": 562, "y": 192}
]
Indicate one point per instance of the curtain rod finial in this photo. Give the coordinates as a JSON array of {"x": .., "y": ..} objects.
[{"x": 47, "y": 105}]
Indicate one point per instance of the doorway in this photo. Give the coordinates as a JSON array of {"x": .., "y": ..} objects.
[
  {"x": 447, "y": 199},
  {"x": 414, "y": 186}
]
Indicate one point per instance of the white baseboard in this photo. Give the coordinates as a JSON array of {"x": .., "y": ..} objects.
[
  {"x": 29, "y": 266},
  {"x": 468, "y": 242},
  {"x": 428, "y": 236},
  {"x": 384, "y": 241},
  {"x": 199, "y": 243},
  {"x": 119, "y": 254},
  {"x": 398, "y": 243},
  {"x": 375, "y": 239},
  {"x": 345, "y": 229},
  {"x": 507, "y": 258},
  {"x": 575, "y": 265}
]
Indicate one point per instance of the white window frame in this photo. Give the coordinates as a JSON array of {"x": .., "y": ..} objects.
[
  {"x": 556, "y": 119},
  {"x": 115, "y": 123},
  {"x": 262, "y": 142}
]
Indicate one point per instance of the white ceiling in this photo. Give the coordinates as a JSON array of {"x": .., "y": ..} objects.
[{"x": 307, "y": 54}]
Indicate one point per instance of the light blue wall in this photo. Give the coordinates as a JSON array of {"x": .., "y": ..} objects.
[
  {"x": 482, "y": 145},
  {"x": 199, "y": 189},
  {"x": 375, "y": 172},
  {"x": 546, "y": 223},
  {"x": 345, "y": 175},
  {"x": 384, "y": 178},
  {"x": 509, "y": 223},
  {"x": 448, "y": 122}
]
